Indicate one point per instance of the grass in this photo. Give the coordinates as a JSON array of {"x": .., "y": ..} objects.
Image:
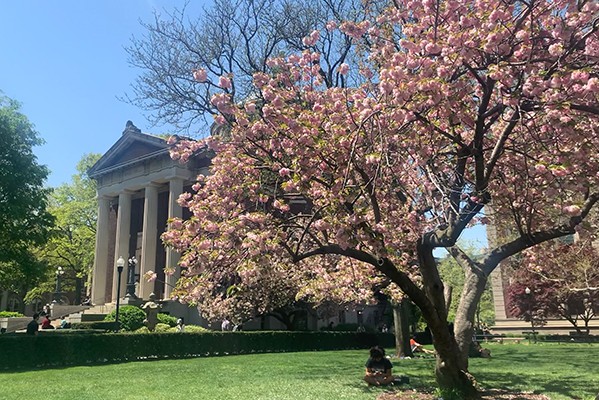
[{"x": 561, "y": 371}]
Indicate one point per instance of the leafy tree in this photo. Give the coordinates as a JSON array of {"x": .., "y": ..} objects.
[
  {"x": 71, "y": 244},
  {"x": 564, "y": 283},
  {"x": 233, "y": 39},
  {"x": 24, "y": 219},
  {"x": 463, "y": 104}
]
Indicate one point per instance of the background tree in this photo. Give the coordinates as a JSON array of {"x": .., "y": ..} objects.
[
  {"x": 564, "y": 283},
  {"x": 24, "y": 219},
  {"x": 232, "y": 39},
  {"x": 71, "y": 242},
  {"x": 453, "y": 276},
  {"x": 463, "y": 105}
]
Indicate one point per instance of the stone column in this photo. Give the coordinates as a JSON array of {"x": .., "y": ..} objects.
[
  {"x": 172, "y": 257},
  {"x": 101, "y": 262},
  {"x": 498, "y": 298},
  {"x": 123, "y": 233},
  {"x": 148, "y": 240}
]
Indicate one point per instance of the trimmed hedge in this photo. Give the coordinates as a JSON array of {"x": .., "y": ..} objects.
[
  {"x": 101, "y": 325},
  {"x": 10, "y": 314},
  {"x": 24, "y": 351}
]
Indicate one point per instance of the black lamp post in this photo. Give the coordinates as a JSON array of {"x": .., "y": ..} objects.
[
  {"x": 131, "y": 267},
  {"x": 530, "y": 296},
  {"x": 57, "y": 294},
  {"x": 120, "y": 263}
]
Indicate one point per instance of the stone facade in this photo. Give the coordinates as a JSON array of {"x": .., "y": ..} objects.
[{"x": 138, "y": 187}]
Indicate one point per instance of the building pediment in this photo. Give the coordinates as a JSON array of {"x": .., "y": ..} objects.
[{"x": 131, "y": 148}]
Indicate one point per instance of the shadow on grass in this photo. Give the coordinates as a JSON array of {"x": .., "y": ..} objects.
[
  {"x": 505, "y": 380},
  {"x": 567, "y": 370}
]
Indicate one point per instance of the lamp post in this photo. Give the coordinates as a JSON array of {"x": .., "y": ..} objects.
[
  {"x": 529, "y": 294},
  {"x": 57, "y": 294},
  {"x": 120, "y": 263},
  {"x": 131, "y": 267}
]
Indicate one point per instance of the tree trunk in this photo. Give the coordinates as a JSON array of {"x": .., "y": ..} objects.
[
  {"x": 474, "y": 286},
  {"x": 400, "y": 327},
  {"x": 450, "y": 370},
  {"x": 450, "y": 375},
  {"x": 284, "y": 318},
  {"x": 406, "y": 312},
  {"x": 78, "y": 289}
]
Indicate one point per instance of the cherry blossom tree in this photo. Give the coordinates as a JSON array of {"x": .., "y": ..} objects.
[
  {"x": 465, "y": 106},
  {"x": 563, "y": 283}
]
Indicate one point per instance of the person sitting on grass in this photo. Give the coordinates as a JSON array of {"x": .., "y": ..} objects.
[
  {"x": 418, "y": 348},
  {"x": 378, "y": 368},
  {"x": 47, "y": 323}
]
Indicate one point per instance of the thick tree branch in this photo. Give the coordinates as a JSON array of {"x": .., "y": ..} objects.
[
  {"x": 384, "y": 265},
  {"x": 493, "y": 258},
  {"x": 500, "y": 145}
]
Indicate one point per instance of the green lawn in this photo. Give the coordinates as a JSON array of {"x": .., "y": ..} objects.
[{"x": 566, "y": 371}]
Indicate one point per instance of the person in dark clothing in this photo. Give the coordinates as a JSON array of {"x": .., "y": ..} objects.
[
  {"x": 378, "y": 368},
  {"x": 33, "y": 325}
]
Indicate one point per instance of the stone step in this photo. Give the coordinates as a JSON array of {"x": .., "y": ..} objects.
[{"x": 516, "y": 326}]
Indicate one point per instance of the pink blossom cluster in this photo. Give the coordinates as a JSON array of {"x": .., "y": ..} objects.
[{"x": 474, "y": 106}]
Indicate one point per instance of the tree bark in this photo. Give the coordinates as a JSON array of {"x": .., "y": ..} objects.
[
  {"x": 448, "y": 290},
  {"x": 78, "y": 289},
  {"x": 474, "y": 285},
  {"x": 400, "y": 327},
  {"x": 450, "y": 370}
]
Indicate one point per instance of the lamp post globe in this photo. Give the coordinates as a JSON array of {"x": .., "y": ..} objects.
[
  {"x": 57, "y": 293},
  {"x": 120, "y": 263},
  {"x": 528, "y": 294}
]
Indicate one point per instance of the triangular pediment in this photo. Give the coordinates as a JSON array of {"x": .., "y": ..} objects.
[{"x": 132, "y": 147}]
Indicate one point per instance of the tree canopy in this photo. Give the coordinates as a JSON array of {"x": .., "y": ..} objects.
[
  {"x": 460, "y": 105},
  {"x": 24, "y": 219},
  {"x": 232, "y": 39},
  {"x": 71, "y": 242},
  {"x": 564, "y": 283}
]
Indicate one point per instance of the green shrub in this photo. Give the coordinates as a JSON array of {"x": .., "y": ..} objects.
[
  {"x": 10, "y": 314},
  {"x": 194, "y": 329},
  {"x": 131, "y": 318},
  {"x": 159, "y": 328},
  {"x": 167, "y": 319}
]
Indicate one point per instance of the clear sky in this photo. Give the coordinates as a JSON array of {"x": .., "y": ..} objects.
[{"x": 64, "y": 61}]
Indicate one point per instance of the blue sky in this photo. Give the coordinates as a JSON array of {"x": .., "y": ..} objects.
[{"x": 65, "y": 62}]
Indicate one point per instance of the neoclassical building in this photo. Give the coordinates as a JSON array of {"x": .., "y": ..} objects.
[{"x": 138, "y": 186}]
